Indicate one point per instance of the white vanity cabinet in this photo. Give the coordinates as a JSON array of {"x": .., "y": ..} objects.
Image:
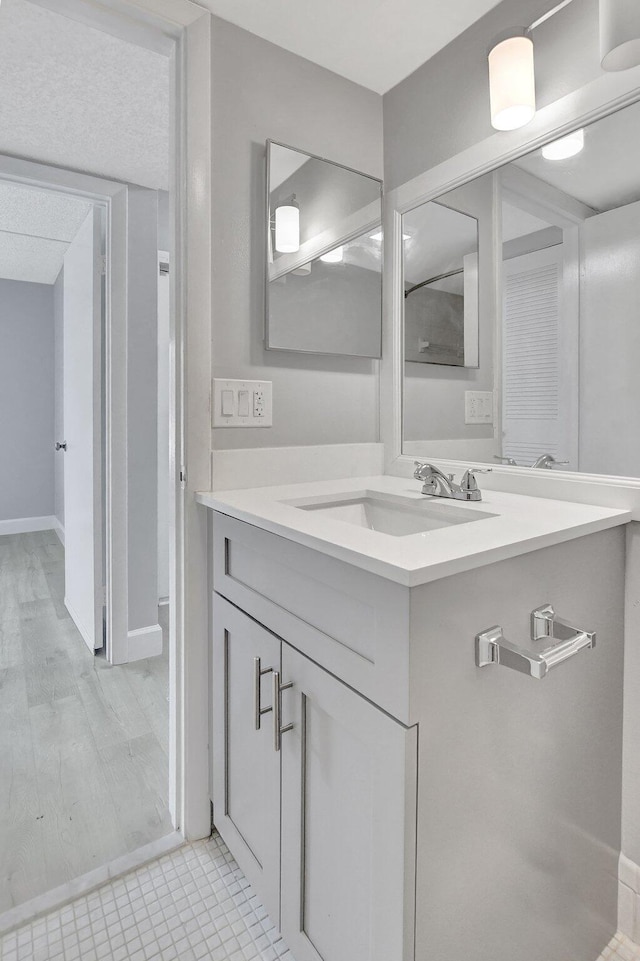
[
  {"x": 420, "y": 807},
  {"x": 317, "y": 816}
]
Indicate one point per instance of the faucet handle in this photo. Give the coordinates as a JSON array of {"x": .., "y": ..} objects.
[{"x": 469, "y": 482}]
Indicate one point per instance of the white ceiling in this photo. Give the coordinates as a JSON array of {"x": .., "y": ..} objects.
[
  {"x": 36, "y": 228},
  {"x": 436, "y": 240},
  {"x": 78, "y": 97},
  {"x": 376, "y": 43}
]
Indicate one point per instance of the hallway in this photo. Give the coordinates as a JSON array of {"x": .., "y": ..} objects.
[{"x": 83, "y": 746}]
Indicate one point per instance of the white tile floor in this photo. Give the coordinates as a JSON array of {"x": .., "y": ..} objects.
[
  {"x": 189, "y": 905},
  {"x": 620, "y": 949}
]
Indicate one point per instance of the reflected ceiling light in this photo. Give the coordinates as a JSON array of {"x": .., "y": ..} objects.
[
  {"x": 288, "y": 228},
  {"x": 379, "y": 236},
  {"x": 512, "y": 85},
  {"x": 334, "y": 256},
  {"x": 564, "y": 148},
  {"x": 619, "y": 34}
]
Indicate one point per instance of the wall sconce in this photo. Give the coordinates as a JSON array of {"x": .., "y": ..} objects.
[
  {"x": 288, "y": 227},
  {"x": 512, "y": 85},
  {"x": 619, "y": 34},
  {"x": 512, "y": 82}
]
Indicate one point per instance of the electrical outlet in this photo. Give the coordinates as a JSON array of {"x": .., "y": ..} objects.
[
  {"x": 478, "y": 407},
  {"x": 242, "y": 403}
]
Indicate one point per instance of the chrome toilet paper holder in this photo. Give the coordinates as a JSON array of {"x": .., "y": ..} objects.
[{"x": 493, "y": 648}]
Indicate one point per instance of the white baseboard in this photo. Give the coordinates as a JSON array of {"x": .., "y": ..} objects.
[
  {"x": 27, "y": 525},
  {"x": 59, "y": 529},
  {"x": 629, "y": 898},
  {"x": 144, "y": 642},
  {"x": 271, "y": 466}
]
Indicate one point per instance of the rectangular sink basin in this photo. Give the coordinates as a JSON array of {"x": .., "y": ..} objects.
[{"x": 390, "y": 513}]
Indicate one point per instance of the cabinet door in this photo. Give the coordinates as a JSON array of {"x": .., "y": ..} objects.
[
  {"x": 348, "y": 822},
  {"x": 246, "y": 767}
]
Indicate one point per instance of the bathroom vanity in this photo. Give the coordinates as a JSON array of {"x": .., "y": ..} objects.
[{"x": 388, "y": 798}]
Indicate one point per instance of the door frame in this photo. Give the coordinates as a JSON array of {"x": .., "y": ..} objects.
[{"x": 188, "y": 27}]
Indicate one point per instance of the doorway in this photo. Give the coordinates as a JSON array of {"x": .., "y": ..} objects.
[{"x": 84, "y": 748}]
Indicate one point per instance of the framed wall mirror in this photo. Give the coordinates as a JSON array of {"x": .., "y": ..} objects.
[
  {"x": 324, "y": 256},
  {"x": 558, "y": 314}
]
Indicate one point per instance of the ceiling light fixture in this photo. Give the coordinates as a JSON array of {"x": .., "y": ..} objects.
[
  {"x": 334, "y": 256},
  {"x": 565, "y": 147},
  {"x": 619, "y": 34},
  {"x": 288, "y": 228}
]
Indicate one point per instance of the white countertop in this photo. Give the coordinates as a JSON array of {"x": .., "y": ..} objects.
[{"x": 521, "y": 524}]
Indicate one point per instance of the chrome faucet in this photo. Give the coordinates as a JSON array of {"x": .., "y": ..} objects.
[
  {"x": 437, "y": 484},
  {"x": 548, "y": 462}
]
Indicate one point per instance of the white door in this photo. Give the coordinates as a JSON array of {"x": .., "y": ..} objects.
[
  {"x": 540, "y": 356},
  {"x": 83, "y": 430}
]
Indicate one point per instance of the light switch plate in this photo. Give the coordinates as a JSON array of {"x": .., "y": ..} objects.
[
  {"x": 478, "y": 407},
  {"x": 251, "y": 403}
]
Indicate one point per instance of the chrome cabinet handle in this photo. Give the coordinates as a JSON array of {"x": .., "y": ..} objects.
[
  {"x": 493, "y": 648},
  {"x": 258, "y": 674},
  {"x": 278, "y": 730}
]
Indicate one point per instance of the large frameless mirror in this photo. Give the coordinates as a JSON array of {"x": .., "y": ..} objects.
[
  {"x": 324, "y": 256},
  {"x": 559, "y": 315}
]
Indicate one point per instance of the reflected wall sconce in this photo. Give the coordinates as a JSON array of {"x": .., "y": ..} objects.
[
  {"x": 335, "y": 256},
  {"x": 619, "y": 34},
  {"x": 512, "y": 82},
  {"x": 287, "y": 224},
  {"x": 565, "y": 147}
]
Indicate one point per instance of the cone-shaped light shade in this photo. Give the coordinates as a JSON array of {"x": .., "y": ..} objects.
[
  {"x": 512, "y": 85},
  {"x": 619, "y": 34},
  {"x": 287, "y": 229}
]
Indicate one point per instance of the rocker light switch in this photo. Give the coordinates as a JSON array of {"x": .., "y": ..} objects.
[
  {"x": 243, "y": 403},
  {"x": 227, "y": 403}
]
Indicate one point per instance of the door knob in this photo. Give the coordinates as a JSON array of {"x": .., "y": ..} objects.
[{"x": 61, "y": 446}]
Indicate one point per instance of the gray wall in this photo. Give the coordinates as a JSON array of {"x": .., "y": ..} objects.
[
  {"x": 337, "y": 307},
  {"x": 261, "y": 91},
  {"x": 58, "y": 406},
  {"x": 26, "y": 400},
  {"x": 443, "y": 107}
]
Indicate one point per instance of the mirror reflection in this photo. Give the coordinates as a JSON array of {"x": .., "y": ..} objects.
[
  {"x": 324, "y": 256},
  {"x": 558, "y": 383},
  {"x": 441, "y": 286}
]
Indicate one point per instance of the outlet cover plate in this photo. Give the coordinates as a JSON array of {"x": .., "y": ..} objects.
[
  {"x": 478, "y": 407},
  {"x": 260, "y": 409}
]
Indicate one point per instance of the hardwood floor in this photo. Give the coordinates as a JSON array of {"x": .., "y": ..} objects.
[{"x": 83, "y": 745}]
